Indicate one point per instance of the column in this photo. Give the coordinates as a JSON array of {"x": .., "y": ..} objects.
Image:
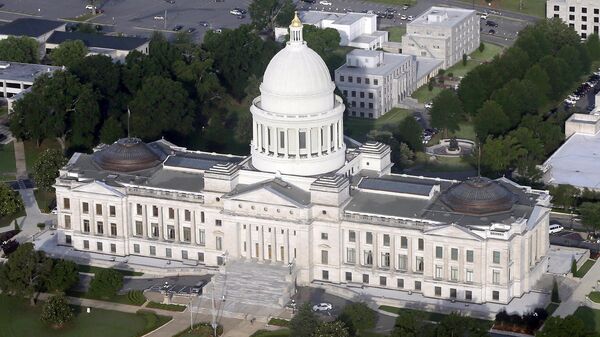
[
  {"x": 297, "y": 135},
  {"x": 254, "y": 134},
  {"x": 193, "y": 229},
  {"x": 161, "y": 223},
  {"x": 286, "y": 142},
  {"x": 320, "y": 141},
  {"x": 335, "y": 136},
  {"x": 328, "y": 140},
  {"x": 309, "y": 141},
  {"x": 259, "y": 134},
  {"x": 177, "y": 225},
  {"x": 276, "y": 134},
  {"x": 341, "y": 132}
]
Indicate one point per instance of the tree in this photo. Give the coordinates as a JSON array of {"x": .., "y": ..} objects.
[
  {"x": 555, "y": 295},
  {"x": 100, "y": 72},
  {"x": 446, "y": 111},
  {"x": 64, "y": 275},
  {"x": 111, "y": 131},
  {"x": 490, "y": 120},
  {"x": 481, "y": 47},
  {"x": 409, "y": 324},
  {"x": 19, "y": 49},
  {"x": 68, "y": 53},
  {"x": 590, "y": 214},
  {"x": 56, "y": 311},
  {"x": 573, "y": 267},
  {"x": 25, "y": 272},
  {"x": 324, "y": 42},
  {"x": 45, "y": 168},
  {"x": 266, "y": 14},
  {"x": 332, "y": 329},
  {"x": 465, "y": 58},
  {"x": 161, "y": 105},
  {"x": 410, "y": 132},
  {"x": 569, "y": 326},
  {"x": 538, "y": 76},
  {"x": 305, "y": 323},
  {"x": 106, "y": 283},
  {"x": 593, "y": 46},
  {"x": 358, "y": 317},
  {"x": 564, "y": 196},
  {"x": 10, "y": 201},
  {"x": 498, "y": 154}
]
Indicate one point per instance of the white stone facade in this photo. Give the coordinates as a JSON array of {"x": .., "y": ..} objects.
[
  {"x": 581, "y": 15},
  {"x": 443, "y": 33}
]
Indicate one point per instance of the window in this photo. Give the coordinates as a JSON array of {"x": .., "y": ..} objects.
[
  {"x": 584, "y": 10},
  {"x": 113, "y": 229},
  {"x": 496, "y": 277},
  {"x": 439, "y": 252},
  {"x": 365, "y": 278},
  {"x": 596, "y": 11},
  {"x": 386, "y": 240},
  {"x": 112, "y": 211},
  {"x": 200, "y": 257},
  {"x": 99, "y": 246},
  {"x": 470, "y": 256},
  {"x": 370, "y": 107},
  {"x": 342, "y": 77},
  {"x": 571, "y": 17},
  {"x": 138, "y": 209},
  {"x": 421, "y": 244},
  {"x": 353, "y": 93},
  {"x": 417, "y": 285},
  {"x": 348, "y": 276},
  {"x": 154, "y": 211},
  {"x": 371, "y": 95},
  {"x": 468, "y": 295},
  {"x": 86, "y": 226},
  {"x": 324, "y": 236},
  {"x": 438, "y": 271},
  {"x": 352, "y": 236},
  {"x": 495, "y": 295},
  {"x": 171, "y": 213},
  {"x": 152, "y": 250},
  {"x": 154, "y": 229},
  {"x": 375, "y": 82},
  {"x": 350, "y": 79},
  {"x": 219, "y": 243},
  {"x": 402, "y": 262},
  {"x": 438, "y": 291},
  {"x": 136, "y": 248},
  {"x": 99, "y": 228},
  {"x": 556, "y": 8},
  {"x": 584, "y": 18},
  {"x": 86, "y": 244},
  {"x": 67, "y": 222},
  {"x": 168, "y": 252},
  {"x": 281, "y": 139},
  {"x": 187, "y": 215},
  {"x": 385, "y": 260},
  {"x": 325, "y": 275},
  {"x": 496, "y": 257},
  {"x": 201, "y": 238},
  {"x": 369, "y": 238},
  {"x": 362, "y": 94},
  {"x": 187, "y": 234},
  {"x": 454, "y": 274},
  {"x": 452, "y": 292},
  {"x": 184, "y": 254},
  {"x": 382, "y": 281},
  {"x": 113, "y": 248},
  {"x": 66, "y": 203},
  {"x": 367, "y": 81},
  {"x": 403, "y": 242},
  {"x": 302, "y": 139},
  {"x": 68, "y": 240},
  {"x": 469, "y": 275},
  {"x": 419, "y": 264},
  {"x": 85, "y": 208},
  {"x": 400, "y": 283},
  {"x": 171, "y": 232},
  {"x": 358, "y": 79},
  {"x": 350, "y": 255},
  {"x": 454, "y": 254},
  {"x": 202, "y": 217},
  {"x": 218, "y": 223},
  {"x": 324, "y": 257},
  {"x": 368, "y": 258}
]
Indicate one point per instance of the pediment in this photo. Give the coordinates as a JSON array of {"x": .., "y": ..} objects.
[
  {"x": 265, "y": 196},
  {"x": 454, "y": 231},
  {"x": 99, "y": 188}
]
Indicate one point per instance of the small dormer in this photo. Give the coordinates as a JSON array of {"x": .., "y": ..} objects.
[{"x": 222, "y": 177}]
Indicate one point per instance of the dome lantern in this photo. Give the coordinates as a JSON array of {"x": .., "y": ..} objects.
[{"x": 296, "y": 30}]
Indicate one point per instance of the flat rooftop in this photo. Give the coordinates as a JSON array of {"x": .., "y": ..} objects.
[
  {"x": 576, "y": 162},
  {"x": 23, "y": 72},
  {"x": 390, "y": 63},
  {"x": 426, "y": 65},
  {"x": 315, "y": 17},
  {"x": 30, "y": 27},
  {"x": 444, "y": 17},
  {"x": 98, "y": 40}
]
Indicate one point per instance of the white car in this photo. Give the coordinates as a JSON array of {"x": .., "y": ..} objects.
[
  {"x": 570, "y": 102},
  {"x": 402, "y": 17},
  {"x": 325, "y": 3},
  {"x": 410, "y": 18},
  {"x": 54, "y": 210},
  {"x": 428, "y": 105},
  {"x": 573, "y": 97},
  {"x": 235, "y": 12},
  {"x": 555, "y": 228},
  {"x": 90, "y": 7},
  {"x": 159, "y": 17},
  {"x": 322, "y": 307}
]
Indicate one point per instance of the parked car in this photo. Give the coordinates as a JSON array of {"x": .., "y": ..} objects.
[
  {"x": 54, "y": 210},
  {"x": 492, "y": 32},
  {"x": 555, "y": 228},
  {"x": 90, "y": 7},
  {"x": 410, "y": 18},
  {"x": 191, "y": 30},
  {"x": 484, "y": 16},
  {"x": 325, "y": 3},
  {"x": 159, "y": 17},
  {"x": 309, "y": 1},
  {"x": 403, "y": 17},
  {"x": 491, "y": 23},
  {"x": 405, "y": 7},
  {"x": 235, "y": 11},
  {"x": 197, "y": 288},
  {"x": 322, "y": 307},
  {"x": 428, "y": 105},
  {"x": 203, "y": 23},
  {"x": 170, "y": 1},
  {"x": 177, "y": 28}
]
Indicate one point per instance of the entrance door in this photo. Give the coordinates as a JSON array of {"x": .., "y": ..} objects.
[
  {"x": 269, "y": 251},
  {"x": 257, "y": 251}
]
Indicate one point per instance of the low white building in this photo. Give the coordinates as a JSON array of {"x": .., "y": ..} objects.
[
  {"x": 443, "y": 33},
  {"x": 16, "y": 77},
  {"x": 581, "y": 15},
  {"x": 303, "y": 199},
  {"x": 373, "y": 82},
  {"x": 38, "y": 29},
  {"x": 116, "y": 47},
  {"x": 577, "y": 161},
  {"x": 357, "y": 30}
]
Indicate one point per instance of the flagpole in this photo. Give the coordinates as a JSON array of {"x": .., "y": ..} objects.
[{"x": 128, "y": 117}]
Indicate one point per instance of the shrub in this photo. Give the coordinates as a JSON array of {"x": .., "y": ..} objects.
[
  {"x": 56, "y": 311},
  {"x": 41, "y": 225},
  {"x": 106, "y": 283},
  {"x": 481, "y": 47},
  {"x": 464, "y": 59},
  {"x": 136, "y": 297},
  {"x": 573, "y": 267},
  {"x": 358, "y": 317},
  {"x": 555, "y": 295}
]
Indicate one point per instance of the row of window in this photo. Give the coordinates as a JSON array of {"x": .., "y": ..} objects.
[
  {"x": 361, "y": 94},
  {"x": 359, "y": 80},
  {"x": 361, "y": 114},
  {"x": 584, "y": 18},
  {"x": 584, "y": 10}
]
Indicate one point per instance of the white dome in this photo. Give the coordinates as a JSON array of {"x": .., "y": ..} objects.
[{"x": 297, "y": 71}]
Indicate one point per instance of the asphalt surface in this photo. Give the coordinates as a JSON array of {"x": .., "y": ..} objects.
[
  {"x": 177, "y": 284},
  {"x": 137, "y": 17}
]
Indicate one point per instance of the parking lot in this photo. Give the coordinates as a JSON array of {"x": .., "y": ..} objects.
[{"x": 174, "y": 284}]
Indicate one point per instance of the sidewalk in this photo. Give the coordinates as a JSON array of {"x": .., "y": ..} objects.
[{"x": 569, "y": 305}]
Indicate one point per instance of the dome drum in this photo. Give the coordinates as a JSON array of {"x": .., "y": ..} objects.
[
  {"x": 478, "y": 196},
  {"x": 126, "y": 155}
]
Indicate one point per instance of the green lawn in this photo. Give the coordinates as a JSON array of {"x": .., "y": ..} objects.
[
  {"x": 169, "y": 307},
  {"x": 396, "y": 33},
  {"x": 32, "y": 151},
  {"x": 201, "y": 330},
  {"x": 267, "y": 333},
  {"x": 358, "y": 128},
  {"x": 551, "y": 308},
  {"x": 441, "y": 164},
  {"x": 82, "y": 268},
  {"x": 279, "y": 322},
  {"x": 45, "y": 199},
  {"x": 530, "y": 7},
  {"x": 595, "y": 296},
  {"x": 427, "y": 316},
  {"x": 585, "y": 268},
  {"x": 423, "y": 95},
  {"x": 20, "y": 319},
  {"x": 9, "y": 220},
  {"x": 122, "y": 299},
  {"x": 8, "y": 168},
  {"x": 477, "y": 58},
  {"x": 590, "y": 317}
]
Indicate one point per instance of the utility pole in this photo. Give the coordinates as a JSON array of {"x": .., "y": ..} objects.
[
  {"x": 165, "y": 20},
  {"x": 191, "y": 317}
]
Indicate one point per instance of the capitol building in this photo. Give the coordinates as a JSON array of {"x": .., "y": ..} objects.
[{"x": 305, "y": 198}]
